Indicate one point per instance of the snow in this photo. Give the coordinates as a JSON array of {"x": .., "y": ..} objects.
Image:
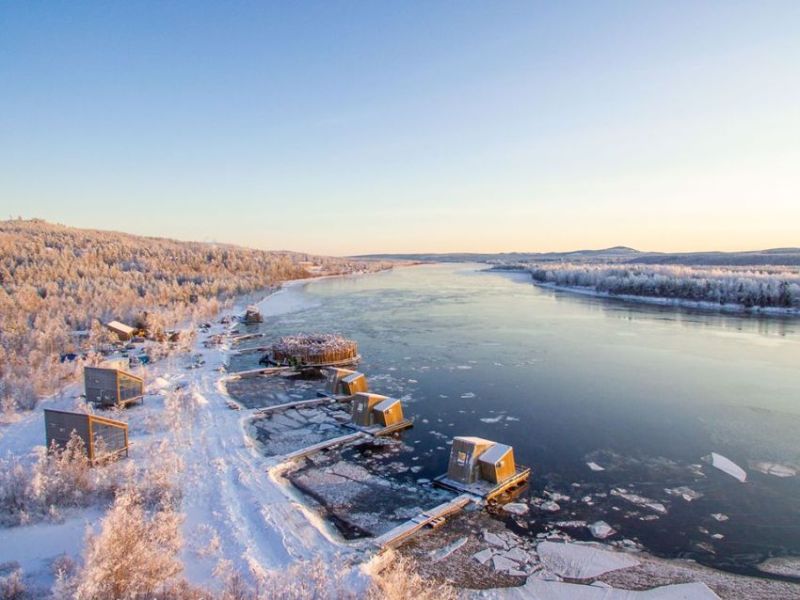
[
  {"x": 770, "y": 468},
  {"x": 516, "y": 508},
  {"x": 537, "y": 589},
  {"x": 726, "y": 465},
  {"x": 601, "y": 530},
  {"x": 579, "y": 561}
]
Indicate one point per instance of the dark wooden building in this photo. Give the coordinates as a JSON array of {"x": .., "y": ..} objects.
[{"x": 103, "y": 438}]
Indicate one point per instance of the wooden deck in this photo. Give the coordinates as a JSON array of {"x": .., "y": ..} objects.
[
  {"x": 268, "y": 410},
  {"x": 307, "y": 451},
  {"x": 485, "y": 489},
  {"x": 403, "y": 532}
]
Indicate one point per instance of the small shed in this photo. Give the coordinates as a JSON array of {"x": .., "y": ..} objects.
[
  {"x": 388, "y": 413},
  {"x": 345, "y": 382},
  {"x": 362, "y": 407},
  {"x": 463, "y": 466},
  {"x": 103, "y": 438},
  {"x": 124, "y": 332},
  {"x": 497, "y": 463},
  {"x": 109, "y": 386},
  {"x": 354, "y": 384}
]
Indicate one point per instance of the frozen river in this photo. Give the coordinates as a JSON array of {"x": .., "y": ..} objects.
[{"x": 642, "y": 391}]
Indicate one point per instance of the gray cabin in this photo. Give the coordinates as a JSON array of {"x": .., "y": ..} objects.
[
  {"x": 109, "y": 386},
  {"x": 103, "y": 438}
]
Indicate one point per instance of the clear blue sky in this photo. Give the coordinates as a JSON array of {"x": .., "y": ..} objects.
[{"x": 348, "y": 127}]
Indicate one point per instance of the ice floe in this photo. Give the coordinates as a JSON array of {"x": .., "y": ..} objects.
[
  {"x": 594, "y": 466},
  {"x": 770, "y": 468},
  {"x": 726, "y": 465},
  {"x": 684, "y": 492},
  {"x": 516, "y": 508},
  {"x": 580, "y": 561},
  {"x": 601, "y": 530}
]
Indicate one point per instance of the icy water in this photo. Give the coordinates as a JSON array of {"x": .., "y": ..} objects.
[{"x": 643, "y": 391}]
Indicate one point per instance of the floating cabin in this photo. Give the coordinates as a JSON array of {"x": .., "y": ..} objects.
[
  {"x": 482, "y": 467},
  {"x": 124, "y": 332},
  {"x": 376, "y": 414},
  {"x": 110, "y": 385},
  {"x": 103, "y": 438},
  {"x": 343, "y": 384}
]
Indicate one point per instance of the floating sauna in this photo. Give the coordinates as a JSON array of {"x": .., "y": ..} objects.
[
  {"x": 110, "y": 385},
  {"x": 314, "y": 350},
  {"x": 376, "y": 414},
  {"x": 482, "y": 467},
  {"x": 344, "y": 382},
  {"x": 103, "y": 438}
]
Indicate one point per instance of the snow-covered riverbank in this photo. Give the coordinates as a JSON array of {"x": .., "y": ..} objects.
[
  {"x": 677, "y": 302},
  {"x": 236, "y": 516}
]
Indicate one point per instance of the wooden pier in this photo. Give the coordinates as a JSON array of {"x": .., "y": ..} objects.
[
  {"x": 432, "y": 517},
  {"x": 248, "y": 336},
  {"x": 307, "y": 451},
  {"x": 255, "y": 372},
  {"x": 268, "y": 410},
  {"x": 485, "y": 489}
]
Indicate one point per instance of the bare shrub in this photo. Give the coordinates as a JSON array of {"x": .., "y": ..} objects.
[
  {"x": 304, "y": 580},
  {"x": 12, "y": 586},
  {"x": 135, "y": 553},
  {"x": 398, "y": 579},
  {"x": 59, "y": 478}
]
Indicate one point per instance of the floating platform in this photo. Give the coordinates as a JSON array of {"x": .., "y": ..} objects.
[
  {"x": 433, "y": 517},
  {"x": 486, "y": 489},
  {"x": 255, "y": 372},
  {"x": 268, "y": 410},
  {"x": 248, "y": 336},
  {"x": 309, "y": 450},
  {"x": 345, "y": 362},
  {"x": 379, "y": 430}
]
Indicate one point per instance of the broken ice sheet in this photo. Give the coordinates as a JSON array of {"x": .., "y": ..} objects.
[
  {"x": 594, "y": 466},
  {"x": 684, "y": 492},
  {"x": 771, "y": 468},
  {"x": 601, "y": 530},
  {"x": 726, "y": 465}
]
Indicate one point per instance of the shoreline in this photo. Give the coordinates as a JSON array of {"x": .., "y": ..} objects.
[{"x": 702, "y": 305}]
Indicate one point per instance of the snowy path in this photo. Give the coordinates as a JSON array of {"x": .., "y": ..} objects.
[{"x": 228, "y": 491}]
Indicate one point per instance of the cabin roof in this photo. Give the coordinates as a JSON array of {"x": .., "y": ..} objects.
[
  {"x": 472, "y": 440},
  {"x": 495, "y": 453},
  {"x": 117, "y": 326},
  {"x": 385, "y": 404}
]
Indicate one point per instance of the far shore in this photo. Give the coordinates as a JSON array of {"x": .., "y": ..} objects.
[{"x": 740, "y": 309}]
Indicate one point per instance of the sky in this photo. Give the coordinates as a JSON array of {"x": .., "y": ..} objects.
[{"x": 359, "y": 127}]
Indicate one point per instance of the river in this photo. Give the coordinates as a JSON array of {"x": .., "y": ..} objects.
[{"x": 643, "y": 391}]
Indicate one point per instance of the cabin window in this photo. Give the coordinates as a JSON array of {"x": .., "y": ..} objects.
[{"x": 462, "y": 458}]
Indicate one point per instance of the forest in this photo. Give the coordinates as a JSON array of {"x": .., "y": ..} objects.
[
  {"x": 58, "y": 284},
  {"x": 767, "y": 287}
]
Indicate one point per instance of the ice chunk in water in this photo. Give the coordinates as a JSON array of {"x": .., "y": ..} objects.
[
  {"x": 594, "y": 466},
  {"x": 726, "y": 465},
  {"x": 516, "y": 508},
  {"x": 601, "y": 530},
  {"x": 770, "y": 468}
]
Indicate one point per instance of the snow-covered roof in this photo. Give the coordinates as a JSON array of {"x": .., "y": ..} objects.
[
  {"x": 495, "y": 453},
  {"x": 121, "y": 327}
]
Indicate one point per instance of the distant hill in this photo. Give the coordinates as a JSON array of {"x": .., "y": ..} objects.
[
  {"x": 616, "y": 254},
  {"x": 774, "y": 256}
]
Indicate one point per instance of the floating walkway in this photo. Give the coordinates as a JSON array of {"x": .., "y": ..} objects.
[
  {"x": 432, "y": 517},
  {"x": 268, "y": 410},
  {"x": 485, "y": 489},
  {"x": 309, "y": 450},
  {"x": 248, "y": 336}
]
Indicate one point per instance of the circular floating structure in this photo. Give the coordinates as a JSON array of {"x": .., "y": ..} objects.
[{"x": 314, "y": 350}]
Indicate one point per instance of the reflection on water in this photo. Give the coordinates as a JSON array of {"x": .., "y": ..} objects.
[{"x": 644, "y": 391}]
